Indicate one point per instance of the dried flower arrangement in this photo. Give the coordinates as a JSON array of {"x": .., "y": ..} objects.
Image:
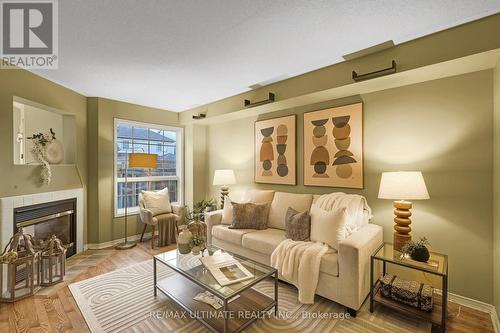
[{"x": 40, "y": 142}]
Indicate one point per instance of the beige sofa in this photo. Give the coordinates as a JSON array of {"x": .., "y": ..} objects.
[{"x": 344, "y": 274}]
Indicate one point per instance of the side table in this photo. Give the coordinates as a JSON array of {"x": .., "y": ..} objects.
[{"x": 386, "y": 254}]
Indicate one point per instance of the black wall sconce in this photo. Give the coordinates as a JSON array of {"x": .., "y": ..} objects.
[
  {"x": 270, "y": 99},
  {"x": 199, "y": 116},
  {"x": 367, "y": 76}
]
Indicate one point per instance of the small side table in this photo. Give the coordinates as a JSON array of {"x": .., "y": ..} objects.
[{"x": 386, "y": 254}]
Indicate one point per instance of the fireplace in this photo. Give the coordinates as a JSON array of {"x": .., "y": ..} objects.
[{"x": 47, "y": 219}]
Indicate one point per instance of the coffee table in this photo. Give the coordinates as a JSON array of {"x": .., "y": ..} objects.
[{"x": 241, "y": 303}]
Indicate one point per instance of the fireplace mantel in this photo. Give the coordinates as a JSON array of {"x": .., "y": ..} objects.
[{"x": 8, "y": 204}]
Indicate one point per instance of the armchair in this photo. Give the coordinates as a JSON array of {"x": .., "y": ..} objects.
[{"x": 167, "y": 223}]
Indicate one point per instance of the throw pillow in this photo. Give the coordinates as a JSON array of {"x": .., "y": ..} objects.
[
  {"x": 253, "y": 196},
  {"x": 227, "y": 211},
  {"x": 297, "y": 225},
  {"x": 157, "y": 202},
  {"x": 328, "y": 226},
  {"x": 249, "y": 216}
]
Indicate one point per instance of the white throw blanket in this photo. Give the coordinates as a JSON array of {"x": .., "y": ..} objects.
[
  {"x": 358, "y": 211},
  {"x": 298, "y": 262}
]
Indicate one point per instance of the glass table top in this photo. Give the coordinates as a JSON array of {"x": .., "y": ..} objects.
[
  {"x": 437, "y": 263},
  {"x": 191, "y": 267}
]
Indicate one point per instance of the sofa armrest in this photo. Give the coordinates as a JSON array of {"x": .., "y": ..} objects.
[
  {"x": 180, "y": 211},
  {"x": 212, "y": 218},
  {"x": 354, "y": 263}
]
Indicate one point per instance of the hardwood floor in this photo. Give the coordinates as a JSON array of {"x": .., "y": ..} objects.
[{"x": 58, "y": 312}]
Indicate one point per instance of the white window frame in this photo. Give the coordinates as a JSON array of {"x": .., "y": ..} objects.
[{"x": 119, "y": 212}]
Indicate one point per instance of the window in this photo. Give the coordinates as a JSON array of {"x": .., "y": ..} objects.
[{"x": 164, "y": 141}]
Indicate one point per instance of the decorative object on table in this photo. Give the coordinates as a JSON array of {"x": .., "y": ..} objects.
[
  {"x": 210, "y": 299},
  {"x": 52, "y": 262},
  {"x": 19, "y": 268},
  {"x": 417, "y": 250},
  {"x": 275, "y": 151},
  {"x": 223, "y": 178},
  {"x": 136, "y": 160},
  {"x": 184, "y": 240},
  {"x": 203, "y": 206},
  {"x": 413, "y": 293},
  {"x": 386, "y": 284},
  {"x": 402, "y": 186},
  {"x": 47, "y": 150},
  {"x": 197, "y": 244},
  {"x": 333, "y": 147},
  {"x": 198, "y": 227},
  {"x": 226, "y": 269}
]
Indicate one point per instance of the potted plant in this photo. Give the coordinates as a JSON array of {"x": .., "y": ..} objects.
[
  {"x": 197, "y": 243},
  {"x": 199, "y": 208},
  {"x": 417, "y": 250}
]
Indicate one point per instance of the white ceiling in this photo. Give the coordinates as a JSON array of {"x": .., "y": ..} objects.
[{"x": 177, "y": 54}]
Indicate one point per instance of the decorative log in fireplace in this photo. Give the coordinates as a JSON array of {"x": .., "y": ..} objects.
[{"x": 52, "y": 218}]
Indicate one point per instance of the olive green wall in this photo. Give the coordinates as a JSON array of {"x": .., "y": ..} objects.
[
  {"x": 496, "y": 189},
  {"x": 443, "y": 128},
  {"x": 195, "y": 172},
  {"x": 103, "y": 226},
  {"x": 24, "y": 179}
]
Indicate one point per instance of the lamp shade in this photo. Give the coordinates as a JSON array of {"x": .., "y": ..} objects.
[
  {"x": 142, "y": 160},
  {"x": 224, "y": 177},
  {"x": 403, "y": 185}
]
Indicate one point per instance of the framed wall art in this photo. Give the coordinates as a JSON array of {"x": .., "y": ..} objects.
[
  {"x": 333, "y": 147},
  {"x": 275, "y": 151}
]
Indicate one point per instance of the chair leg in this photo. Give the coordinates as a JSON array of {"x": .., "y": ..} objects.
[
  {"x": 153, "y": 237},
  {"x": 143, "y": 230}
]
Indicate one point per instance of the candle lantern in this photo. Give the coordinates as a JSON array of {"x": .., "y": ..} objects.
[
  {"x": 52, "y": 261},
  {"x": 19, "y": 266}
]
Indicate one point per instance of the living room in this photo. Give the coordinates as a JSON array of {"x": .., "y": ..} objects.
[{"x": 137, "y": 154}]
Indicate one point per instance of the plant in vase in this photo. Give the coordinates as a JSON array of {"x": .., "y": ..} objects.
[
  {"x": 197, "y": 244},
  {"x": 417, "y": 250},
  {"x": 196, "y": 216}
]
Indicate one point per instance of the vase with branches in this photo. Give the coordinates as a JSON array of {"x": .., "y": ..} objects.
[{"x": 40, "y": 142}]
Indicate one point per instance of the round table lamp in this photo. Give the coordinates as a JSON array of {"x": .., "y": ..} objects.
[{"x": 402, "y": 186}]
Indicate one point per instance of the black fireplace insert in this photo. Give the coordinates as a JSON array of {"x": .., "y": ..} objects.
[{"x": 47, "y": 219}]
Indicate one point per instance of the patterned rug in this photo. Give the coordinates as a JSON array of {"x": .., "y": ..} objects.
[{"x": 123, "y": 301}]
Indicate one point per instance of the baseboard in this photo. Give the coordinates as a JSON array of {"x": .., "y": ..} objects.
[
  {"x": 476, "y": 305},
  {"x": 100, "y": 246}
]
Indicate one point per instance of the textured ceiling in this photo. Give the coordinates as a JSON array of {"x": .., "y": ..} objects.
[{"x": 177, "y": 54}]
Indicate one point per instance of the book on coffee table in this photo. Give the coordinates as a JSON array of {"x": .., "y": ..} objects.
[{"x": 225, "y": 269}]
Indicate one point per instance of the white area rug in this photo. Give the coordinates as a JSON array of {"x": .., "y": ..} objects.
[{"x": 123, "y": 301}]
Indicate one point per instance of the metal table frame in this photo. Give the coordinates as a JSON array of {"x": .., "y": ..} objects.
[
  {"x": 444, "y": 280},
  {"x": 225, "y": 298}
]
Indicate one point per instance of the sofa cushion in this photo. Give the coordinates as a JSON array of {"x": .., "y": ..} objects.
[
  {"x": 330, "y": 263},
  {"x": 263, "y": 241},
  {"x": 234, "y": 236},
  {"x": 258, "y": 196},
  {"x": 280, "y": 204}
]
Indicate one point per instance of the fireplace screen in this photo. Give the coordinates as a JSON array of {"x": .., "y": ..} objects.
[{"x": 44, "y": 220}]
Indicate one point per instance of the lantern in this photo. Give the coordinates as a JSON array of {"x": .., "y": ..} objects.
[
  {"x": 19, "y": 265},
  {"x": 52, "y": 262},
  {"x": 199, "y": 228}
]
